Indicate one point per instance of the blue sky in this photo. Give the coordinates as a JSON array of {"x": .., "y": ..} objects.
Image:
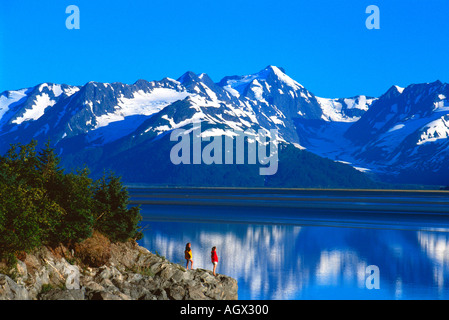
[{"x": 324, "y": 45}]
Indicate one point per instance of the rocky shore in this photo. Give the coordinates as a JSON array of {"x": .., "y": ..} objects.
[{"x": 99, "y": 270}]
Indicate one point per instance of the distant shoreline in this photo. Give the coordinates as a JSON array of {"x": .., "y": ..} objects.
[
  {"x": 415, "y": 209},
  {"x": 132, "y": 186}
]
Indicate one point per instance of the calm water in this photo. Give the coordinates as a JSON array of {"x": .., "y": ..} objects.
[{"x": 307, "y": 245}]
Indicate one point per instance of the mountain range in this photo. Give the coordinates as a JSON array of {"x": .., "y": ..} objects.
[{"x": 361, "y": 141}]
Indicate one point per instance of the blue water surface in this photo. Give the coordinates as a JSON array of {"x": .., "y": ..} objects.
[{"x": 276, "y": 255}]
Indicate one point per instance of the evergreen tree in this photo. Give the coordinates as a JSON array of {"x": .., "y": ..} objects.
[
  {"x": 112, "y": 214},
  {"x": 40, "y": 204}
]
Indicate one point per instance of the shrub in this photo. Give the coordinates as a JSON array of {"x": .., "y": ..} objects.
[
  {"x": 94, "y": 251},
  {"x": 111, "y": 201},
  {"x": 20, "y": 227},
  {"x": 40, "y": 204},
  {"x": 74, "y": 194}
]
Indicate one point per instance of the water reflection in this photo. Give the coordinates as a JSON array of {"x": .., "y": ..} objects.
[
  {"x": 436, "y": 246},
  {"x": 293, "y": 262}
]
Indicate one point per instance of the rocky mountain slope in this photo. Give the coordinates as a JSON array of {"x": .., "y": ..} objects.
[{"x": 399, "y": 136}]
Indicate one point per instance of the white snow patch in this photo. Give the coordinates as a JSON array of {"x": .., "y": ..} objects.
[
  {"x": 400, "y": 89},
  {"x": 362, "y": 169},
  {"x": 333, "y": 109},
  {"x": 209, "y": 92},
  {"x": 297, "y": 145},
  {"x": 286, "y": 79},
  {"x": 13, "y": 97},
  {"x": 72, "y": 90},
  {"x": 276, "y": 120},
  {"x": 236, "y": 86},
  {"x": 397, "y": 127},
  {"x": 232, "y": 91},
  {"x": 357, "y": 168},
  {"x": 435, "y": 130},
  {"x": 143, "y": 103},
  {"x": 203, "y": 102},
  {"x": 173, "y": 80},
  {"x": 160, "y": 129},
  {"x": 441, "y": 106},
  {"x": 56, "y": 88},
  {"x": 37, "y": 109},
  {"x": 214, "y": 132},
  {"x": 256, "y": 87}
]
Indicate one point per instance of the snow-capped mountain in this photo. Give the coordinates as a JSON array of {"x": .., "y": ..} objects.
[
  {"x": 404, "y": 130},
  {"x": 345, "y": 109},
  {"x": 22, "y": 106}
]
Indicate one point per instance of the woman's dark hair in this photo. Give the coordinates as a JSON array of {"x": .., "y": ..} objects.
[
  {"x": 213, "y": 248},
  {"x": 187, "y": 246}
]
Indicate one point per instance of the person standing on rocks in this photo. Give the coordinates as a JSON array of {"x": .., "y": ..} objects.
[
  {"x": 188, "y": 256},
  {"x": 214, "y": 258}
]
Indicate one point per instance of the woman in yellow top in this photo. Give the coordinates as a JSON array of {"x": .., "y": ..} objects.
[{"x": 188, "y": 256}]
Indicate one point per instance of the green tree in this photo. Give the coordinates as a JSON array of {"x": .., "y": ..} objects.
[
  {"x": 74, "y": 195},
  {"x": 21, "y": 161},
  {"x": 112, "y": 216},
  {"x": 20, "y": 228},
  {"x": 40, "y": 204}
]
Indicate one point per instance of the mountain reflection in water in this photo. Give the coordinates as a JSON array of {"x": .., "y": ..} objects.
[
  {"x": 306, "y": 244},
  {"x": 294, "y": 262}
]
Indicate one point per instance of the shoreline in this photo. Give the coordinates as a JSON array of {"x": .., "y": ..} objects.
[
  {"x": 271, "y": 189},
  {"x": 130, "y": 272}
]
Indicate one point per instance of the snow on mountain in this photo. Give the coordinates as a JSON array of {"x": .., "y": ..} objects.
[
  {"x": 404, "y": 129},
  {"x": 9, "y": 98},
  {"x": 437, "y": 130},
  {"x": 346, "y": 109},
  {"x": 37, "y": 109},
  {"x": 238, "y": 85},
  {"x": 266, "y": 100},
  {"x": 20, "y": 106},
  {"x": 277, "y": 100},
  {"x": 400, "y": 112},
  {"x": 142, "y": 103}
]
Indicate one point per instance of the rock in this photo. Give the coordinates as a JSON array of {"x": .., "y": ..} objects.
[
  {"x": 92, "y": 286},
  {"x": 22, "y": 272},
  {"x": 10, "y": 290},
  {"x": 136, "y": 292},
  {"x": 196, "y": 292},
  {"x": 167, "y": 271},
  {"x": 148, "y": 296},
  {"x": 179, "y": 275},
  {"x": 58, "y": 294},
  {"x": 205, "y": 276},
  {"x": 160, "y": 294},
  {"x": 176, "y": 292},
  {"x": 131, "y": 273},
  {"x": 71, "y": 274},
  {"x": 104, "y": 295}
]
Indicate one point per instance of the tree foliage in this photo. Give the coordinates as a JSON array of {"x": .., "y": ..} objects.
[
  {"x": 40, "y": 204},
  {"x": 111, "y": 208}
]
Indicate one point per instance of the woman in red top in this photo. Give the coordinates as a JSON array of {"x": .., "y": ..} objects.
[{"x": 214, "y": 258}]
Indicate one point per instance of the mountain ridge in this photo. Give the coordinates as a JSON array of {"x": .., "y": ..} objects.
[{"x": 364, "y": 132}]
